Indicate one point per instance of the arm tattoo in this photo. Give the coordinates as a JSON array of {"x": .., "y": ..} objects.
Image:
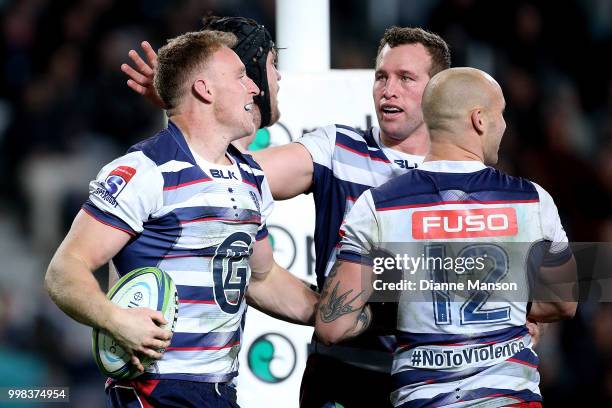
[
  {"x": 337, "y": 305},
  {"x": 364, "y": 319}
]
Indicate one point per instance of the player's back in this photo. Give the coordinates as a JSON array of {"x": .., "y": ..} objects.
[{"x": 461, "y": 325}]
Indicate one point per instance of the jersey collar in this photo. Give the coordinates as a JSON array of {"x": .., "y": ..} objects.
[{"x": 450, "y": 166}]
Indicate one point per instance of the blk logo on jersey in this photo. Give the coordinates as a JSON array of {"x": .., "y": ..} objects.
[
  {"x": 118, "y": 179},
  {"x": 405, "y": 164},
  {"x": 472, "y": 223},
  {"x": 219, "y": 174}
]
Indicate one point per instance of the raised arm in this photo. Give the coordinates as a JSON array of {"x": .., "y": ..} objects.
[
  {"x": 289, "y": 169},
  {"x": 141, "y": 77},
  {"x": 73, "y": 287},
  {"x": 275, "y": 291}
]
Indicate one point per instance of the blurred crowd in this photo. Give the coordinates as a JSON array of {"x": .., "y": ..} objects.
[{"x": 65, "y": 110}]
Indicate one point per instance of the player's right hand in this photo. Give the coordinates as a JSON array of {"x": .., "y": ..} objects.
[
  {"x": 141, "y": 78},
  {"x": 137, "y": 331},
  {"x": 535, "y": 330}
]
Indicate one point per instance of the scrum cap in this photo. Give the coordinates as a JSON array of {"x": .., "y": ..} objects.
[{"x": 254, "y": 44}]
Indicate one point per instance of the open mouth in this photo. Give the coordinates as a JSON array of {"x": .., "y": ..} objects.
[{"x": 390, "y": 111}]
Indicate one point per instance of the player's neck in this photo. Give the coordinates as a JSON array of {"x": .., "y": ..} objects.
[
  {"x": 417, "y": 143},
  {"x": 243, "y": 143},
  {"x": 207, "y": 141},
  {"x": 446, "y": 150}
]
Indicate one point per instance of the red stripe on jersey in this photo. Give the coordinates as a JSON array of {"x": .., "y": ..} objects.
[
  {"x": 401, "y": 207},
  {"x": 249, "y": 183},
  {"x": 361, "y": 153},
  {"x": 131, "y": 233},
  {"x": 206, "y": 302},
  {"x": 189, "y": 183},
  {"x": 514, "y": 360},
  {"x": 526, "y": 405},
  {"x": 202, "y": 348},
  {"x": 254, "y": 220}
]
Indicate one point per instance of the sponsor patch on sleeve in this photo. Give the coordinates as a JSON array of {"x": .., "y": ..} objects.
[{"x": 117, "y": 180}]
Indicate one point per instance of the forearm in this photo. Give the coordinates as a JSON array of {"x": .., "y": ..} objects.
[
  {"x": 73, "y": 287},
  {"x": 349, "y": 326},
  {"x": 547, "y": 312},
  {"x": 342, "y": 311},
  {"x": 282, "y": 295},
  {"x": 554, "y": 293}
]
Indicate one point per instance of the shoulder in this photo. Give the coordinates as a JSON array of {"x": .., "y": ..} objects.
[
  {"x": 336, "y": 131},
  {"x": 160, "y": 148},
  {"x": 402, "y": 190},
  {"x": 134, "y": 164},
  {"x": 351, "y": 134},
  {"x": 244, "y": 158},
  {"x": 494, "y": 179},
  {"x": 547, "y": 202}
]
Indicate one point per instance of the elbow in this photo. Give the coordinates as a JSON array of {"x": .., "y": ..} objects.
[
  {"x": 328, "y": 335},
  {"x": 567, "y": 310},
  {"x": 50, "y": 282},
  {"x": 549, "y": 312}
]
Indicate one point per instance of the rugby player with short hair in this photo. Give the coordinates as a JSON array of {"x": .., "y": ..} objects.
[
  {"x": 188, "y": 202},
  {"x": 455, "y": 348},
  {"x": 254, "y": 47}
]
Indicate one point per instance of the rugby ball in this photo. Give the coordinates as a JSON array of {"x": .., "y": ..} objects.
[{"x": 143, "y": 287}]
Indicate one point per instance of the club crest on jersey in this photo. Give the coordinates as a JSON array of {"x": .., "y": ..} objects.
[
  {"x": 469, "y": 223},
  {"x": 118, "y": 179},
  {"x": 255, "y": 200}
]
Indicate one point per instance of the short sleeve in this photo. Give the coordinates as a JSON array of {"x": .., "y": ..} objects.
[
  {"x": 359, "y": 233},
  {"x": 552, "y": 230},
  {"x": 320, "y": 144},
  {"x": 126, "y": 192}
]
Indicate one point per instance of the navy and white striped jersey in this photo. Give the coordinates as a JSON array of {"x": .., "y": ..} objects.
[
  {"x": 457, "y": 349},
  {"x": 198, "y": 222},
  {"x": 347, "y": 162}
]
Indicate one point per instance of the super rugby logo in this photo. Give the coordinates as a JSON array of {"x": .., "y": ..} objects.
[
  {"x": 272, "y": 358},
  {"x": 471, "y": 223},
  {"x": 118, "y": 179}
]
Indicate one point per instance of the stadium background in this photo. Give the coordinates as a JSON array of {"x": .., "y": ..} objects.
[{"x": 65, "y": 110}]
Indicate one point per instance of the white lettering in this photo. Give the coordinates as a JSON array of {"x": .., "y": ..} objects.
[
  {"x": 504, "y": 222},
  {"x": 474, "y": 223},
  {"x": 429, "y": 222}
]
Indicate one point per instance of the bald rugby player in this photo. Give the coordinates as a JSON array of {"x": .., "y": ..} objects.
[{"x": 458, "y": 348}]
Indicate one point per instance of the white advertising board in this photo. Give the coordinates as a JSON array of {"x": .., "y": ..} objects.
[{"x": 274, "y": 353}]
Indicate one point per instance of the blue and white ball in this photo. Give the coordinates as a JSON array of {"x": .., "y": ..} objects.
[{"x": 144, "y": 287}]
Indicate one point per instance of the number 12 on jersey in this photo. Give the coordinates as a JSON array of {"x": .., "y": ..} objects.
[{"x": 472, "y": 311}]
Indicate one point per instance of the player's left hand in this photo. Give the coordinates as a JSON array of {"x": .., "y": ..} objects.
[{"x": 141, "y": 78}]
